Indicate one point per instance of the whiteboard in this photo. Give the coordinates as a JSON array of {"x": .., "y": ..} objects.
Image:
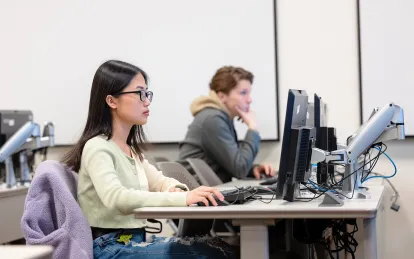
[
  {"x": 387, "y": 55},
  {"x": 50, "y": 51}
]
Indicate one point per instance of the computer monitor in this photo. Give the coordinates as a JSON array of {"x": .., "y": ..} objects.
[
  {"x": 294, "y": 163},
  {"x": 298, "y": 166},
  {"x": 325, "y": 139},
  {"x": 319, "y": 112},
  {"x": 310, "y": 117}
]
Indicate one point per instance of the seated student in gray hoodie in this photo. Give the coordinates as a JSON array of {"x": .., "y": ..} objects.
[{"x": 212, "y": 137}]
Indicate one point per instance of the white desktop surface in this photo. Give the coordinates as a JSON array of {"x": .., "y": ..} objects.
[
  {"x": 26, "y": 252},
  {"x": 11, "y": 207},
  {"x": 252, "y": 215},
  {"x": 275, "y": 209}
]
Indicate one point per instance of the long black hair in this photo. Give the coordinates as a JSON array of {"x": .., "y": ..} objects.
[{"x": 110, "y": 78}]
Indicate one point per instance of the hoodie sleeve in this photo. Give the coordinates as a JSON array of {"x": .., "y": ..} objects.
[{"x": 220, "y": 142}]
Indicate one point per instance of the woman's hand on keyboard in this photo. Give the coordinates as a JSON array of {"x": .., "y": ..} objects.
[{"x": 204, "y": 194}]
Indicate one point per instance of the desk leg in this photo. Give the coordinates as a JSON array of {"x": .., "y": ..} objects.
[
  {"x": 370, "y": 238},
  {"x": 254, "y": 241}
]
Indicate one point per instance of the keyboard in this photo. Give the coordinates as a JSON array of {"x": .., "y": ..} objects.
[
  {"x": 258, "y": 190},
  {"x": 233, "y": 196},
  {"x": 270, "y": 181}
]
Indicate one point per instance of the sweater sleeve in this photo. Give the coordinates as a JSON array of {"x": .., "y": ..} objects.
[
  {"x": 99, "y": 164},
  {"x": 220, "y": 142}
]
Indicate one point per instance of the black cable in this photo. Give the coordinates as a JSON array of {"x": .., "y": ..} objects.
[
  {"x": 376, "y": 158},
  {"x": 334, "y": 175},
  {"x": 336, "y": 247},
  {"x": 328, "y": 248},
  {"x": 342, "y": 239},
  {"x": 335, "y": 191},
  {"x": 333, "y": 185},
  {"x": 156, "y": 230},
  {"x": 261, "y": 199},
  {"x": 238, "y": 194},
  {"x": 365, "y": 159},
  {"x": 310, "y": 188},
  {"x": 363, "y": 176}
]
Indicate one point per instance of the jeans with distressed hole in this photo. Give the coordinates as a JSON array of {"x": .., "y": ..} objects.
[{"x": 107, "y": 246}]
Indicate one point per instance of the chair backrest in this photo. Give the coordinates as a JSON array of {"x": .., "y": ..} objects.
[
  {"x": 178, "y": 172},
  {"x": 204, "y": 172},
  {"x": 186, "y": 227},
  {"x": 158, "y": 159}
]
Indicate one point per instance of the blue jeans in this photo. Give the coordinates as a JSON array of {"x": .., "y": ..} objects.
[{"x": 107, "y": 246}]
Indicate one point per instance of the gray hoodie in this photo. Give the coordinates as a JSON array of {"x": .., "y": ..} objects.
[{"x": 212, "y": 137}]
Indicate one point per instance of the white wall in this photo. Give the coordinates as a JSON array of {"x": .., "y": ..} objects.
[
  {"x": 318, "y": 52},
  {"x": 50, "y": 51},
  {"x": 387, "y": 53}
]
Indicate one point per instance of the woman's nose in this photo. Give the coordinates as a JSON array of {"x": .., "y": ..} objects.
[{"x": 147, "y": 102}]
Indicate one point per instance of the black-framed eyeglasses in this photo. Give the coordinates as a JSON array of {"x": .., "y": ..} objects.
[{"x": 143, "y": 95}]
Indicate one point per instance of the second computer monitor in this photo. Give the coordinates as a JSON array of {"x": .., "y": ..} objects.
[
  {"x": 320, "y": 118},
  {"x": 325, "y": 139},
  {"x": 296, "y": 113}
]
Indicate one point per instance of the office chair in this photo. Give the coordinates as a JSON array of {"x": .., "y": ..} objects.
[
  {"x": 191, "y": 227},
  {"x": 178, "y": 172},
  {"x": 159, "y": 159},
  {"x": 185, "y": 227},
  {"x": 204, "y": 172}
]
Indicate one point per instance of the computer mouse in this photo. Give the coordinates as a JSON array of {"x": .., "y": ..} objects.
[
  {"x": 219, "y": 202},
  {"x": 265, "y": 176},
  {"x": 271, "y": 180}
]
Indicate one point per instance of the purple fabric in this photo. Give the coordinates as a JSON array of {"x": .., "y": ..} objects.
[{"x": 52, "y": 215}]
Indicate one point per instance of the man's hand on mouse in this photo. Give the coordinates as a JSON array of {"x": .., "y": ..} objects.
[{"x": 265, "y": 169}]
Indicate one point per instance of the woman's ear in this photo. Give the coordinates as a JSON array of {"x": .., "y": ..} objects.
[{"x": 111, "y": 101}]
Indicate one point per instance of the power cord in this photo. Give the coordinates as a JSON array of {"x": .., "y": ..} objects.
[
  {"x": 156, "y": 230},
  {"x": 341, "y": 238},
  {"x": 394, "y": 206},
  {"x": 375, "y": 160},
  {"x": 383, "y": 176},
  {"x": 394, "y": 198},
  {"x": 333, "y": 185},
  {"x": 372, "y": 163},
  {"x": 258, "y": 197}
]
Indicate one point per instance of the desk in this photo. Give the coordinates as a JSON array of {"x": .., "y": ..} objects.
[
  {"x": 253, "y": 217},
  {"x": 11, "y": 207},
  {"x": 26, "y": 252}
]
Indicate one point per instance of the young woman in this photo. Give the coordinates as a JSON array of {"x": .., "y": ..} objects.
[
  {"x": 211, "y": 135},
  {"x": 115, "y": 178}
]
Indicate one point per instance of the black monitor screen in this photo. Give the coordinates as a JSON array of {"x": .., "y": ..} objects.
[{"x": 296, "y": 111}]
